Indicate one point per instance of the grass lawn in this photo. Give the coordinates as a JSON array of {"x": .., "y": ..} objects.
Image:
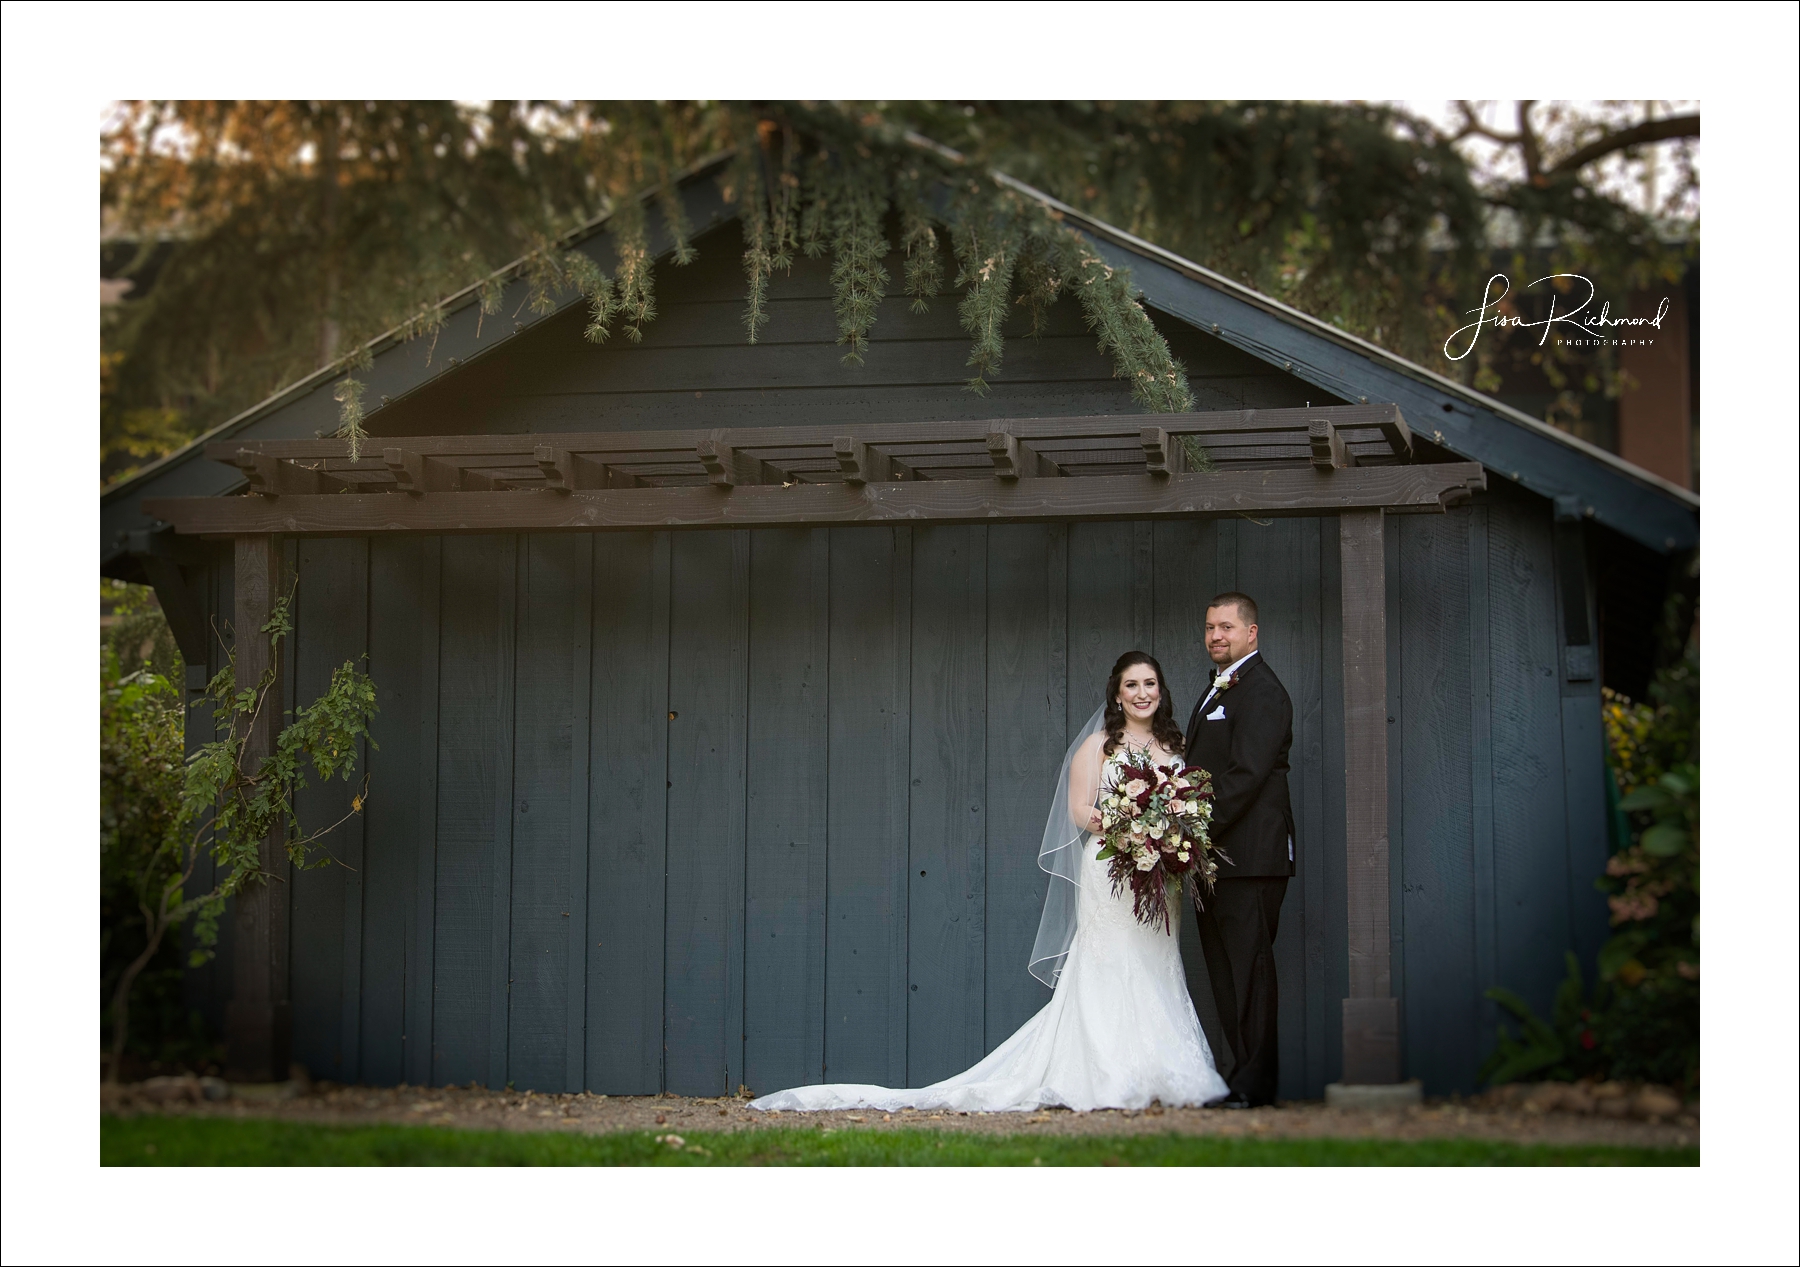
[{"x": 180, "y": 1141}]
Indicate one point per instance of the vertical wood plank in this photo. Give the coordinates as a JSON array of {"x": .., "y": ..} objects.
[
  {"x": 1396, "y": 768},
  {"x": 421, "y": 940},
  {"x": 553, "y": 571},
  {"x": 708, "y": 644},
  {"x": 1226, "y": 538},
  {"x": 1187, "y": 565},
  {"x": 396, "y": 767},
  {"x": 1481, "y": 772},
  {"x": 628, "y": 813},
  {"x": 331, "y": 622},
  {"x": 1312, "y": 837},
  {"x": 1584, "y": 760},
  {"x": 946, "y": 959},
  {"x": 575, "y": 893},
  {"x": 870, "y": 698},
  {"x": 1436, "y": 860},
  {"x": 474, "y": 717},
  {"x": 205, "y": 988},
  {"x": 1143, "y": 585},
  {"x": 789, "y": 763},
  {"x": 1104, "y": 596},
  {"x": 1024, "y": 742},
  {"x": 500, "y": 851},
  {"x": 258, "y": 1020},
  {"x": 1268, "y": 569},
  {"x": 1333, "y": 852},
  {"x": 1530, "y": 818}
]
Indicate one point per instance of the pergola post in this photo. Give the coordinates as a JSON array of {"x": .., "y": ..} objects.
[
  {"x": 258, "y": 1026},
  {"x": 1371, "y": 1013}
]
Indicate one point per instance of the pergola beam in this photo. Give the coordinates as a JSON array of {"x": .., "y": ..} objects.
[
  {"x": 1378, "y": 426},
  {"x": 1280, "y": 492}
]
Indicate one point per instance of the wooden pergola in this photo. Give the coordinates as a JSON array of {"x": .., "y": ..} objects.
[{"x": 1355, "y": 462}]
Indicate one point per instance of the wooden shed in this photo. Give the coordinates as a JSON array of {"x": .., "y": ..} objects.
[{"x": 722, "y": 687}]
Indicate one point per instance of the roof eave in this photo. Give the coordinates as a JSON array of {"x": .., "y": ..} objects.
[{"x": 1412, "y": 369}]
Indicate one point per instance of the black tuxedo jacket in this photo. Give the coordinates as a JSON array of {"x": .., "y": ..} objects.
[{"x": 1246, "y": 752}]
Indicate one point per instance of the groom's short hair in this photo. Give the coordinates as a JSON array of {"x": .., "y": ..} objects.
[{"x": 1245, "y": 604}]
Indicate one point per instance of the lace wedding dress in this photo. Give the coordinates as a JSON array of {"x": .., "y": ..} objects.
[{"x": 1119, "y": 1031}]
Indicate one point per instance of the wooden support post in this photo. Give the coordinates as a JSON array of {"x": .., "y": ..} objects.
[
  {"x": 1371, "y": 1013},
  {"x": 258, "y": 1025}
]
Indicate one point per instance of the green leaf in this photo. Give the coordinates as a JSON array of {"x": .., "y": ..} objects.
[
  {"x": 1681, "y": 782},
  {"x": 1106, "y": 852},
  {"x": 1665, "y": 840},
  {"x": 1645, "y": 798},
  {"x": 1619, "y": 950}
]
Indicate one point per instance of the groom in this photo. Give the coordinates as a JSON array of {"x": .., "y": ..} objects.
[{"x": 1240, "y": 731}]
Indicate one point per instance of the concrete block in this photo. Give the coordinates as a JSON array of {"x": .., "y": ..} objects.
[{"x": 1392, "y": 1095}]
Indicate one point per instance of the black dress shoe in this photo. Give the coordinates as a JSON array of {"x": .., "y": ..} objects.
[{"x": 1235, "y": 1100}]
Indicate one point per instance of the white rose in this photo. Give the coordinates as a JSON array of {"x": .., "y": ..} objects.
[
  {"x": 1145, "y": 860},
  {"x": 1156, "y": 832},
  {"x": 1183, "y": 855}
]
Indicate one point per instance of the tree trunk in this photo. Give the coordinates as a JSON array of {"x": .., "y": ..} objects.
[{"x": 121, "y": 1002}]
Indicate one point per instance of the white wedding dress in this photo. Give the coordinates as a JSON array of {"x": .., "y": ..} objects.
[{"x": 1118, "y": 1032}]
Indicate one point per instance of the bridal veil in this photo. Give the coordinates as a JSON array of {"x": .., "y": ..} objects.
[{"x": 1060, "y": 854}]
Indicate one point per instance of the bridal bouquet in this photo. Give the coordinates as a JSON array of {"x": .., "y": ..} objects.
[{"x": 1154, "y": 830}]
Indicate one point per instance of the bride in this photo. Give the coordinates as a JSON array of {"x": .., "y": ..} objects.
[{"x": 1119, "y": 1030}]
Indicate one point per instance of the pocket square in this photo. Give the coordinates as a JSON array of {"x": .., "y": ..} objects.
[{"x": 1217, "y": 714}]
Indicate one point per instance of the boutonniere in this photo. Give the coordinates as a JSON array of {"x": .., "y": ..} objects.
[{"x": 1224, "y": 682}]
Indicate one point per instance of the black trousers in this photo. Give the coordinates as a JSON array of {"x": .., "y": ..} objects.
[{"x": 1237, "y": 932}]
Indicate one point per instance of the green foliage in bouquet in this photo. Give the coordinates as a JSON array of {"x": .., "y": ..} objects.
[{"x": 162, "y": 815}]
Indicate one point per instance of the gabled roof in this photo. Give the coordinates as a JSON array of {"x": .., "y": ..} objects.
[{"x": 1512, "y": 445}]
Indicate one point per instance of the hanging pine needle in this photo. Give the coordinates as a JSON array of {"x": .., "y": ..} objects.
[
  {"x": 918, "y": 237},
  {"x": 859, "y": 282}
]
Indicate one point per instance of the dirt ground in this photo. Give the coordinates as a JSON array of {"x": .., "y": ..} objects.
[{"x": 600, "y": 1114}]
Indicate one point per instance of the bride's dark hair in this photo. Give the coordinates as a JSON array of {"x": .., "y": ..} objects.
[{"x": 1162, "y": 721}]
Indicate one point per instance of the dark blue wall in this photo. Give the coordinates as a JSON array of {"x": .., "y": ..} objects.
[{"x": 680, "y": 811}]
